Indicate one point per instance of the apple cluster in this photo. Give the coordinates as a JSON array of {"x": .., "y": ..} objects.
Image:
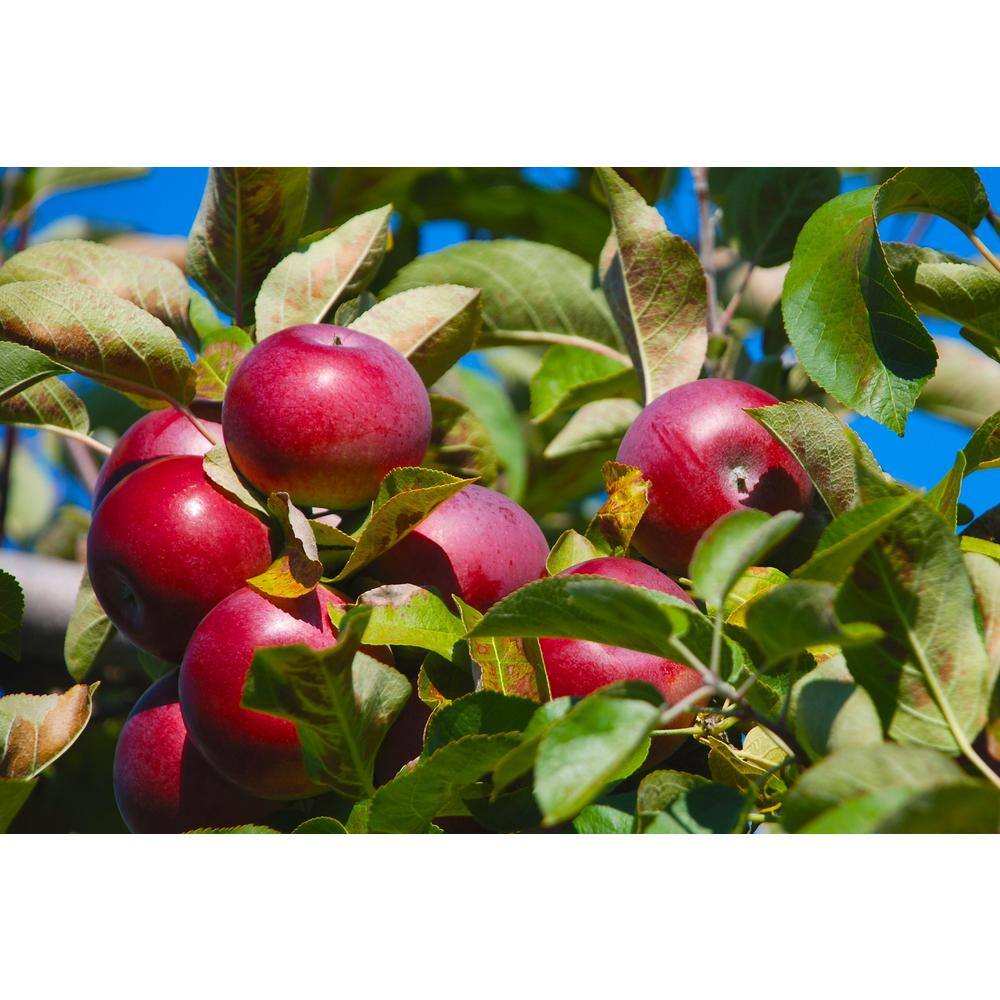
[{"x": 323, "y": 413}]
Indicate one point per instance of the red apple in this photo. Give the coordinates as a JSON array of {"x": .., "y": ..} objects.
[
  {"x": 261, "y": 753},
  {"x": 576, "y": 666},
  {"x": 478, "y": 544},
  {"x": 165, "y": 547},
  {"x": 162, "y": 783},
  {"x": 156, "y": 435},
  {"x": 324, "y": 413},
  {"x": 704, "y": 457}
]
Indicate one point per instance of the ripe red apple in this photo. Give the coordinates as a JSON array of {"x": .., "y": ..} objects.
[
  {"x": 162, "y": 783},
  {"x": 704, "y": 457},
  {"x": 156, "y": 435},
  {"x": 478, "y": 544},
  {"x": 324, "y": 413},
  {"x": 261, "y": 753},
  {"x": 576, "y": 666},
  {"x": 165, "y": 547}
]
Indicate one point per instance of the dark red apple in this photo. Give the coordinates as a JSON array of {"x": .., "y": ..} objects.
[
  {"x": 162, "y": 783},
  {"x": 261, "y": 753},
  {"x": 324, "y": 413},
  {"x": 404, "y": 741},
  {"x": 478, "y": 544},
  {"x": 576, "y": 667},
  {"x": 704, "y": 457},
  {"x": 165, "y": 547},
  {"x": 156, "y": 435}
]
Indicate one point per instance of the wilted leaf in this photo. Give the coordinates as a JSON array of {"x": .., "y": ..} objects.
[
  {"x": 36, "y": 729},
  {"x": 409, "y": 802},
  {"x": 404, "y": 499},
  {"x": 766, "y": 208},
  {"x": 590, "y": 746},
  {"x": 568, "y": 377},
  {"x": 152, "y": 283},
  {"x": 298, "y": 569},
  {"x": 341, "y": 701},
  {"x": 859, "y": 771},
  {"x": 88, "y": 632},
  {"x": 733, "y": 544},
  {"x": 50, "y": 403},
  {"x": 509, "y": 665},
  {"x": 597, "y": 426},
  {"x": 248, "y": 220},
  {"x": 307, "y": 285},
  {"x": 11, "y": 616},
  {"x": 754, "y": 769},
  {"x": 853, "y": 331},
  {"x": 23, "y": 367},
  {"x": 628, "y": 498},
  {"x": 657, "y": 290},
  {"x": 460, "y": 443},
  {"x": 432, "y": 326},
  {"x": 527, "y": 288},
  {"x": 571, "y": 548},
  {"x": 98, "y": 335}
]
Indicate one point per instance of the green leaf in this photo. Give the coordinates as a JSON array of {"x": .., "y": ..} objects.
[
  {"x": 756, "y": 769},
  {"x": 568, "y": 377},
  {"x": 347, "y": 312},
  {"x": 37, "y": 729},
  {"x": 657, "y": 290},
  {"x": 830, "y": 711},
  {"x": 672, "y": 802},
  {"x": 460, "y": 442},
  {"x": 441, "y": 681},
  {"x": 13, "y": 795},
  {"x": 432, "y": 326},
  {"x": 221, "y": 471},
  {"x": 341, "y": 701},
  {"x": 11, "y": 616},
  {"x": 152, "y": 283},
  {"x": 487, "y": 399},
  {"x": 321, "y": 824},
  {"x": 799, "y": 614},
  {"x": 153, "y": 666},
  {"x": 405, "y": 615},
  {"x": 913, "y": 582},
  {"x": 766, "y": 208},
  {"x": 822, "y": 445},
  {"x": 98, "y": 335},
  {"x": 606, "y": 611},
  {"x": 853, "y": 331},
  {"x": 754, "y": 582},
  {"x": 944, "y": 496},
  {"x": 47, "y": 404},
  {"x": 943, "y": 285},
  {"x": 404, "y": 499},
  {"x": 249, "y": 218},
  {"x": 222, "y": 350},
  {"x": 246, "y": 828},
  {"x": 298, "y": 569},
  {"x": 959, "y": 808},
  {"x": 88, "y": 632},
  {"x": 733, "y": 544},
  {"x": 484, "y": 713},
  {"x": 528, "y": 288},
  {"x": 510, "y": 666},
  {"x": 409, "y": 802},
  {"x": 44, "y": 182},
  {"x": 23, "y": 367},
  {"x": 308, "y": 284},
  {"x": 571, "y": 548},
  {"x": 846, "y": 538},
  {"x": 983, "y": 449},
  {"x": 620, "y": 514},
  {"x": 984, "y": 572},
  {"x": 590, "y": 746},
  {"x": 859, "y": 771},
  {"x": 597, "y": 426},
  {"x": 600, "y": 818},
  {"x": 521, "y": 759}
]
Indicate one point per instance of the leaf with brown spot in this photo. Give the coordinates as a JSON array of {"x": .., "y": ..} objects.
[
  {"x": 507, "y": 664},
  {"x": 98, "y": 335},
  {"x": 152, "y": 283},
  {"x": 628, "y": 498},
  {"x": 46, "y": 404},
  {"x": 36, "y": 729},
  {"x": 221, "y": 353},
  {"x": 298, "y": 569},
  {"x": 249, "y": 218},
  {"x": 656, "y": 288},
  {"x": 307, "y": 285}
]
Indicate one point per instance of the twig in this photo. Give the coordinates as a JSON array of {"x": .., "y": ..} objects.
[
  {"x": 10, "y": 443},
  {"x": 734, "y": 303},
  {"x": 84, "y": 462},
  {"x": 994, "y": 220},
  {"x": 983, "y": 249},
  {"x": 202, "y": 429},
  {"x": 706, "y": 243}
]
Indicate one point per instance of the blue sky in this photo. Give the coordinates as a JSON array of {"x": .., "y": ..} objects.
[{"x": 167, "y": 199}]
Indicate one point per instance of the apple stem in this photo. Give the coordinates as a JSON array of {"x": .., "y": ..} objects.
[
  {"x": 706, "y": 243},
  {"x": 734, "y": 303}
]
